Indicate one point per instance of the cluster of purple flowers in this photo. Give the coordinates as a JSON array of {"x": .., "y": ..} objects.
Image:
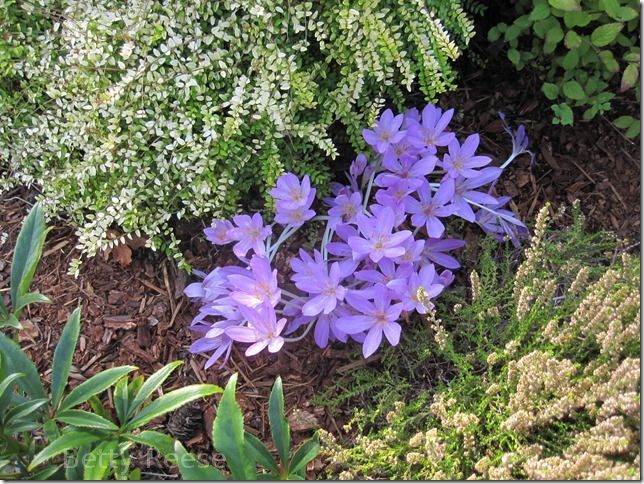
[{"x": 382, "y": 254}]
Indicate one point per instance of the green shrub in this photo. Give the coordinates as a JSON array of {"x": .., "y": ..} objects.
[
  {"x": 536, "y": 376},
  {"x": 141, "y": 112},
  {"x": 579, "y": 47}
]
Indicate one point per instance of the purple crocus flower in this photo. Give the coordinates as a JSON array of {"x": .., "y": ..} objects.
[
  {"x": 257, "y": 287},
  {"x": 292, "y": 194},
  {"x": 378, "y": 241},
  {"x": 250, "y": 234},
  {"x": 386, "y": 132},
  {"x": 219, "y": 233},
  {"x": 431, "y": 132},
  {"x": 376, "y": 318},
  {"x": 293, "y": 216},
  {"x": 461, "y": 159},
  {"x": 387, "y": 273},
  {"x": 407, "y": 289},
  {"x": 327, "y": 291},
  {"x": 500, "y": 222},
  {"x": 464, "y": 192},
  {"x": 411, "y": 171},
  {"x": 345, "y": 208},
  {"x": 222, "y": 345},
  {"x": 435, "y": 251},
  {"x": 263, "y": 330},
  {"x": 359, "y": 164},
  {"x": 430, "y": 209}
]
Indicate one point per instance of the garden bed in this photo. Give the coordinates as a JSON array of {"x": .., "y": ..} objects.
[{"x": 134, "y": 310}]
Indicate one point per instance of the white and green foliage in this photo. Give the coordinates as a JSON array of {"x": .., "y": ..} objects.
[
  {"x": 587, "y": 51},
  {"x": 131, "y": 113},
  {"x": 243, "y": 451}
]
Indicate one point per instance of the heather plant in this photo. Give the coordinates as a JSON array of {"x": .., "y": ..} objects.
[
  {"x": 384, "y": 250},
  {"x": 586, "y": 52},
  {"x": 534, "y": 376},
  {"x": 131, "y": 115}
]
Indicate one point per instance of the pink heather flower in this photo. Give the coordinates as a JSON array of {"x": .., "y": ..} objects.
[
  {"x": 461, "y": 159},
  {"x": 430, "y": 209},
  {"x": 250, "y": 234},
  {"x": 263, "y": 330},
  {"x": 378, "y": 241},
  {"x": 430, "y": 133},
  {"x": 386, "y": 132},
  {"x": 219, "y": 233}
]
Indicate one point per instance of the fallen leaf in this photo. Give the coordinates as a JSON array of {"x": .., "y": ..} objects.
[
  {"x": 122, "y": 254},
  {"x": 301, "y": 420}
]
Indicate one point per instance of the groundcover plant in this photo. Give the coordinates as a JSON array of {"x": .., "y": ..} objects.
[{"x": 384, "y": 251}]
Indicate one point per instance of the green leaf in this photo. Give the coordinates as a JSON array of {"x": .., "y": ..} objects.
[
  {"x": 63, "y": 356},
  {"x": 279, "y": 426},
  {"x": 121, "y": 467},
  {"x": 573, "y": 90},
  {"x": 572, "y": 40},
  {"x": 514, "y": 56},
  {"x": 98, "y": 461},
  {"x": 539, "y": 12},
  {"x": 513, "y": 32},
  {"x": 94, "y": 385},
  {"x": 609, "y": 61},
  {"x": 193, "y": 470},
  {"x": 570, "y": 60},
  {"x": 633, "y": 130},
  {"x": 25, "y": 408},
  {"x": 624, "y": 122},
  {"x": 151, "y": 384},
  {"x": 7, "y": 382},
  {"x": 590, "y": 113},
  {"x": 97, "y": 407},
  {"x": 550, "y": 90},
  {"x": 121, "y": 400},
  {"x": 630, "y": 76},
  {"x": 632, "y": 56},
  {"x": 74, "y": 465},
  {"x": 494, "y": 34},
  {"x": 16, "y": 361},
  {"x": 606, "y": 34},
  {"x": 228, "y": 434},
  {"x": 171, "y": 401},
  {"x": 69, "y": 440},
  {"x": 554, "y": 35},
  {"x": 10, "y": 321},
  {"x": 576, "y": 19},
  {"x": 611, "y": 7},
  {"x": 305, "y": 454},
  {"x": 27, "y": 252},
  {"x": 564, "y": 114},
  {"x": 626, "y": 14},
  {"x": 81, "y": 418},
  {"x": 29, "y": 298},
  {"x": 51, "y": 430},
  {"x": 45, "y": 473},
  {"x": 261, "y": 453},
  {"x": 565, "y": 5},
  {"x": 161, "y": 442}
]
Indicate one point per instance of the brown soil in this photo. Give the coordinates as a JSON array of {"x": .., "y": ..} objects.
[{"x": 134, "y": 311}]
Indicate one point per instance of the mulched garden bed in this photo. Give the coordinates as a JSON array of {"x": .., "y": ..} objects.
[{"x": 134, "y": 311}]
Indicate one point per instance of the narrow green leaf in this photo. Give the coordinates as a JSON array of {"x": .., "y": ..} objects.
[
  {"x": 161, "y": 442},
  {"x": 8, "y": 381},
  {"x": 94, "y": 385},
  {"x": 29, "y": 298},
  {"x": 81, "y": 418},
  {"x": 16, "y": 361},
  {"x": 279, "y": 426},
  {"x": 25, "y": 408},
  {"x": 573, "y": 90},
  {"x": 606, "y": 34},
  {"x": 121, "y": 400},
  {"x": 63, "y": 355},
  {"x": 11, "y": 321},
  {"x": 228, "y": 434},
  {"x": 133, "y": 387},
  {"x": 151, "y": 384},
  {"x": 69, "y": 440},
  {"x": 98, "y": 461},
  {"x": 193, "y": 470},
  {"x": 27, "y": 252},
  {"x": 171, "y": 401},
  {"x": 121, "y": 467},
  {"x": 305, "y": 454},
  {"x": 51, "y": 430},
  {"x": 45, "y": 473},
  {"x": 97, "y": 407},
  {"x": 565, "y": 5},
  {"x": 630, "y": 76},
  {"x": 261, "y": 453}
]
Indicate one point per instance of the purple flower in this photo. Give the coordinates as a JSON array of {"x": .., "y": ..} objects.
[
  {"x": 407, "y": 289},
  {"x": 377, "y": 317},
  {"x": 258, "y": 287},
  {"x": 222, "y": 345},
  {"x": 411, "y": 171},
  {"x": 387, "y": 273},
  {"x": 327, "y": 290},
  {"x": 378, "y": 241},
  {"x": 250, "y": 234},
  {"x": 464, "y": 192},
  {"x": 291, "y": 194},
  {"x": 386, "y": 132},
  {"x": 461, "y": 159},
  {"x": 359, "y": 164},
  {"x": 431, "y": 132},
  {"x": 219, "y": 233},
  {"x": 429, "y": 210},
  {"x": 435, "y": 251},
  {"x": 293, "y": 216},
  {"x": 499, "y": 222},
  {"x": 346, "y": 208},
  {"x": 263, "y": 330}
]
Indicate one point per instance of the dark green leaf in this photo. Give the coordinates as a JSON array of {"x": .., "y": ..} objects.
[
  {"x": 305, "y": 454},
  {"x": 633, "y": 130},
  {"x": 279, "y": 426},
  {"x": 494, "y": 34},
  {"x": 261, "y": 453},
  {"x": 151, "y": 384},
  {"x": 81, "y": 418},
  {"x": 565, "y": 5},
  {"x": 570, "y": 61},
  {"x": 193, "y": 470},
  {"x": 606, "y": 34},
  {"x": 573, "y": 90},
  {"x": 16, "y": 361},
  {"x": 63, "y": 356},
  {"x": 626, "y": 14},
  {"x": 69, "y": 440},
  {"x": 94, "y": 385},
  {"x": 27, "y": 252},
  {"x": 97, "y": 407},
  {"x": 572, "y": 39},
  {"x": 624, "y": 122},
  {"x": 51, "y": 430},
  {"x": 98, "y": 461},
  {"x": 611, "y": 7},
  {"x": 161, "y": 442},
  {"x": 11, "y": 321},
  {"x": 514, "y": 56},
  {"x": 25, "y": 408},
  {"x": 171, "y": 401},
  {"x": 550, "y": 90},
  {"x": 30, "y": 298},
  {"x": 45, "y": 473},
  {"x": 228, "y": 434},
  {"x": 121, "y": 400},
  {"x": 539, "y": 12},
  {"x": 7, "y": 382},
  {"x": 576, "y": 19}
]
